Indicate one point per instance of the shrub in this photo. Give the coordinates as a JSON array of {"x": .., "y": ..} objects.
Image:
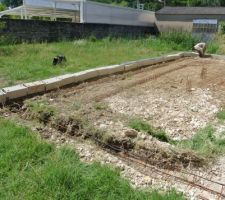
[{"x": 183, "y": 39}]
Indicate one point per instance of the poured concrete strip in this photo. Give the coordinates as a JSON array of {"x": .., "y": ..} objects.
[
  {"x": 15, "y": 92},
  {"x": 2, "y": 97},
  {"x": 35, "y": 87},
  {"x": 112, "y": 69},
  {"x": 52, "y": 83}
]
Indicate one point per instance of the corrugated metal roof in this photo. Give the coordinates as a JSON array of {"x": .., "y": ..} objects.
[
  {"x": 191, "y": 11},
  {"x": 205, "y": 21}
]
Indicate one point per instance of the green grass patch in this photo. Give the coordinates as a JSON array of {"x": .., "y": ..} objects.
[
  {"x": 204, "y": 142},
  {"x": 33, "y": 169},
  {"x": 140, "y": 125},
  {"x": 29, "y": 62},
  {"x": 221, "y": 115}
]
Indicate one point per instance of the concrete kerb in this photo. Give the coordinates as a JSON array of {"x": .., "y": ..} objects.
[
  {"x": 67, "y": 79},
  {"x": 35, "y": 87},
  {"x": 15, "y": 92},
  {"x": 2, "y": 97},
  {"x": 218, "y": 57},
  {"x": 22, "y": 91},
  {"x": 128, "y": 66},
  {"x": 53, "y": 83},
  {"x": 188, "y": 54},
  {"x": 85, "y": 75},
  {"x": 108, "y": 70}
]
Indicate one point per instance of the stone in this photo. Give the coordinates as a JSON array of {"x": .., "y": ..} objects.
[
  {"x": 52, "y": 83},
  {"x": 2, "y": 97},
  {"x": 131, "y": 133},
  {"x": 35, "y": 87},
  {"x": 15, "y": 92},
  {"x": 102, "y": 71}
]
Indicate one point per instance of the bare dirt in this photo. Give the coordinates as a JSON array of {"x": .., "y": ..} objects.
[{"x": 179, "y": 97}]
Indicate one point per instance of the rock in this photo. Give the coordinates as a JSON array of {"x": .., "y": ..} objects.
[
  {"x": 131, "y": 133},
  {"x": 143, "y": 137}
]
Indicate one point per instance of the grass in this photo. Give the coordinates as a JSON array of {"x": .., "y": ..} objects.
[
  {"x": 33, "y": 169},
  {"x": 221, "y": 115},
  {"x": 140, "y": 125},
  {"x": 29, "y": 62},
  {"x": 205, "y": 143}
]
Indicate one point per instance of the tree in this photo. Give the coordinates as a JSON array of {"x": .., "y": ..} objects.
[
  {"x": 12, "y": 3},
  {"x": 2, "y": 7}
]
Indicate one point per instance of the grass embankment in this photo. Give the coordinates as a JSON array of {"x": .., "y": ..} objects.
[
  {"x": 29, "y": 62},
  {"x": 33, "y": 169},
  {"x": 204, "y": 142}
]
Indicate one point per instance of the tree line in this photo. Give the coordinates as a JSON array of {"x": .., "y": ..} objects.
[{"x": 148, "y": 4}]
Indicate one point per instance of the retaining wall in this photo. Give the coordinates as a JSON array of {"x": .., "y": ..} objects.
[
  {"x": 39, "y": 30},
  {"x": 25, "y": 90}
]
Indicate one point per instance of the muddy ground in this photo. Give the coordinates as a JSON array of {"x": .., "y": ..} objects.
[{"x": 178, "y": 97}]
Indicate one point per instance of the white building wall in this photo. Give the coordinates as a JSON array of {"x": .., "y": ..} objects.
[{"x": 94, "y": 12}]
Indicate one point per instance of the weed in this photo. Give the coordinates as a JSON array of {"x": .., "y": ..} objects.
[
  {"x": 140, "y": 125},
  {"x": 204, "y": 142},
  {"x": 33, "y": 169},
  {"x": 40, "y": 110},
  {"x": 221, "y": 115},
  {"x": 179, "y": 39},
  {"x": 100, "y": 106}
]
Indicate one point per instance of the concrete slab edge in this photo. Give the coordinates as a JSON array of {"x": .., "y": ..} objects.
[{"x": 37, "y": 87}]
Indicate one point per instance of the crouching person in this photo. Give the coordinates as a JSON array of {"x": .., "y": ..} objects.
[{"x": 200, "y": 48}]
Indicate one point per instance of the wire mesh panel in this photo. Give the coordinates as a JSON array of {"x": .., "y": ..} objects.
[{"x": 205, "y": 26}]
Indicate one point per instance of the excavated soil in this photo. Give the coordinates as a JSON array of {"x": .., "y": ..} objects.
[{"x": 178, "y": 97}]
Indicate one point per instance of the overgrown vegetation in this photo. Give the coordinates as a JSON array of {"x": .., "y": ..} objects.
[
  {"x": 140, "y": 125},
  {"x": 33, "y": 169},
  {"x": 29, "y": 62},
  {"x": 204, "y": 142},
  {"x": 179, "y": 40}
]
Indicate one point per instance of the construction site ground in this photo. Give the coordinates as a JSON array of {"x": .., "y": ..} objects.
[{"x": 178, "y": 97}]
